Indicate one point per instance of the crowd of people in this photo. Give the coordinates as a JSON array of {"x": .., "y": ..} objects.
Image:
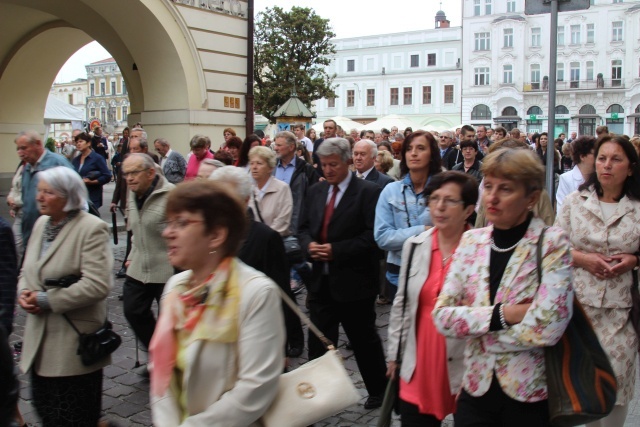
[{"x": 442, "y": 225}]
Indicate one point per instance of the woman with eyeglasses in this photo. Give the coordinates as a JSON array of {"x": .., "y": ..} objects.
[
  {"x": 402, "y": 210},
  {"x": 217, "y": 351},
  {"x": 432, "y": 367}
]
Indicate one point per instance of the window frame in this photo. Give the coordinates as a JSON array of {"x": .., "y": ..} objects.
[{"x": 449, "y": 94}]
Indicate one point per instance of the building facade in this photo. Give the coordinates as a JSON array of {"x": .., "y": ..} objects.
[
  {"x": 73, "y": 93},
  {"x": 107, "y": 98},
  {"x": 416, "y": 74},
  {"x": 506, "y": 67}
]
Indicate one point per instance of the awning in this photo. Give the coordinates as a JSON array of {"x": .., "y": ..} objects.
[
  {"x": 586, "y": 116},
  {"x": 507, "y": 119},
  {"x": 633, "y": 115}
]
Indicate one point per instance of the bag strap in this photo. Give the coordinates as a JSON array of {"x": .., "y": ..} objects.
[
  {"x": 404, "y": 302},
  {"x": 539, "y": 256},
  {"x": 255, "y": 203},
  {"x": 313, "y": 328}
]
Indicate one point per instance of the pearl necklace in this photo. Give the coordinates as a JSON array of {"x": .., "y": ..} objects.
[{"x": 501, "y": 250}]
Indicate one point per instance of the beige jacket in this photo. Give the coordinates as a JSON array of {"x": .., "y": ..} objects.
[
  {"x": 232, "y": 384},
  {"x": 148, "y": 256},
  {"x": 417, "y": 275},
  {"x": 275, "y": 207},
  {"x": 82, "y": 248}
]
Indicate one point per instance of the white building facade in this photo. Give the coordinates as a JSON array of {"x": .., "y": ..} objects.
[
  {"x": 506, "y": 67},
  {"x": 73, "y": 93},
  {"x": 107, "y": 98},
  {"x": 415, "y": 74}
]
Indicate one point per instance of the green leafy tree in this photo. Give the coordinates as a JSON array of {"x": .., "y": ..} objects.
[
  {"x": 291, "y": 48},
  {"x": 51, "y": 145}
]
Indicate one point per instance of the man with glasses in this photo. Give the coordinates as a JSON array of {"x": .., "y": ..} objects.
[
  {"x": 481, "y": 138},
  {"x": 448, "y": 152},
  {"x": 148, "y": 266}
]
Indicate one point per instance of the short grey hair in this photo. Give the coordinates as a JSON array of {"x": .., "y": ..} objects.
[
  {"x": 31, "y": 135},
  {"x": 337, "y": 146},
  {"x": 265, "y": 154},
  {"x": 235, "y": 176},
  {"x": 447, "y": 133},
  {"x": 163, "y": 142},
  {"x": 67, "y": 184},
  {"x": 199, "y": 141},
  {"x": 147, "y": 160},
  {"x": 144, "y": 132},
  {"x": 370, "y": 143},
  {"x": 143, "y": 143},
  {"x": 289, "y": 137},
  {"x": 213, "y": 162}
]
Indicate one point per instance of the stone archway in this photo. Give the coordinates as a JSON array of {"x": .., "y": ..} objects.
[{"x": 175, "y": 88}]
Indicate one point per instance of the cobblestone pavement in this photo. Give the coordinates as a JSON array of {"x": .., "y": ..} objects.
[{"x": 125, "y": 399}]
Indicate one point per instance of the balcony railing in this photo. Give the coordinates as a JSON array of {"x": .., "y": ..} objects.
[{"x": 575, "y": 84}]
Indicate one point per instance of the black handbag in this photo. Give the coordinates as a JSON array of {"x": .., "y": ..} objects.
[
  {"x": 292, "y": 247},
  {"x": 581, "y": 384},
  {"x": 94, "y": 346},
  {"x": 391, "y": 401}
]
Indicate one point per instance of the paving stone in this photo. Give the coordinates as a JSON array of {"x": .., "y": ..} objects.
[{"x": 125, "y": 409}]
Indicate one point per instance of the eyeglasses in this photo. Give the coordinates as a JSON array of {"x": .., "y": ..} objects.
[
  {"x": 179, "y": 223},
  {"x": 448, "y": 203},
  {"x": 133, "y": 173}
]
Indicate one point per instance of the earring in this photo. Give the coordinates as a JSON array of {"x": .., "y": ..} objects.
[
  {"x": 212, "y": 252},
  {"x": 530, "y": 207}
]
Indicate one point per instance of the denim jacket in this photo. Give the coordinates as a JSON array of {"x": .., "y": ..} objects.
[{"x": 400, "y": 214}]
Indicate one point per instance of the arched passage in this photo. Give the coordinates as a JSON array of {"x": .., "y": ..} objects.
[{"x": 168, "y": 87}]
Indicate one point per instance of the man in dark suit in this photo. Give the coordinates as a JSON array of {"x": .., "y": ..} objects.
[
  {"x": 337, "y": 232},
  {"x": 330, "y": 128},
  {"x": 364, "y": 156}
]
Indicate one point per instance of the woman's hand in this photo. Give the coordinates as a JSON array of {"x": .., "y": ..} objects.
[
  {"x": 513, "y": 314},
  {"x": 392, "y": 368},
  {"x": 625, "y": 263},
  {"x": 29, "y": 302},
  {"x": 596, "y": 264}
]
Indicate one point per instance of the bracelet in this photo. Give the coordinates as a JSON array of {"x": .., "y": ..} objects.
[{"x": 503, "y": 322}]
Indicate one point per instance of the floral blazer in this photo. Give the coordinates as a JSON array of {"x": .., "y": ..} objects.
[{"x": 515, "y": 355}]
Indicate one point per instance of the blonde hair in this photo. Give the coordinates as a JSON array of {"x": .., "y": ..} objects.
[
  {"x": 516, "y": 165},
  {"x": 386, "y": 160},
  {"x": 265, "y": 154}
]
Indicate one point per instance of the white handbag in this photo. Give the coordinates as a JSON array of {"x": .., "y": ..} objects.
[{"x": 316, "y": 390}]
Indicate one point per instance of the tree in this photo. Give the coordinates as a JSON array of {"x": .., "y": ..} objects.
[
  {"x": 291, "y": 48},
  {"x": 50, "y": 145}
]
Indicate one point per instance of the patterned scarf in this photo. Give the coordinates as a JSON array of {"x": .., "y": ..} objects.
[
  {"x": 208, "y": 311},
  {"x": 51, "y": 231}
]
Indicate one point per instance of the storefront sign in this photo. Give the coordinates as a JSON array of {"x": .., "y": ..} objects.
[{"x": 614, "y": 116}]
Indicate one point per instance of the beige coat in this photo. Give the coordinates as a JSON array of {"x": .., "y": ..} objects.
[
  {"x": 417, "y": 275},
  {"x": 275, "y": 207},
  {"x": 82, "y": 248},
  {"x": 232, "y": 384},
  {"x": 606, "y": 302}
]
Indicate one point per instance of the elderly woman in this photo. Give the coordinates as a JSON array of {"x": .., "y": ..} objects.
[
  {"x": 494, "y": 300},
  {"x": 402, "y": 209},
  {"x": 470, "y": 165},
  {"x": 426, "y": 391},
  {"x": 603, "y": 222},
  {"x": 92, "y": 168},
  {"x": 582, "y": 153},
  {"x": 217, "y": 350},
  {"x": 200, "y": 145},
  {"x": 65, "y": 242},
  {"x": 272, "y": 202},
  {"x": 383, "y": 161}
]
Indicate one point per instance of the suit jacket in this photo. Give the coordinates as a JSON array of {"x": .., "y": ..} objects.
[
  {"x": 94, "y": 164},
  {"x": 353, "y": 272},
  {"x": 378, "y": 178},
  {"x": 82, "y": 248},
  {"x": 463, "y": 310},
  {"x": 175, "y": 167},
  {"x": 451, "y": 157},
  {"x": 231, "y": 384}
]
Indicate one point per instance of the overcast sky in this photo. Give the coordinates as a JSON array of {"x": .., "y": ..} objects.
[{"x": 349, "y": 18}]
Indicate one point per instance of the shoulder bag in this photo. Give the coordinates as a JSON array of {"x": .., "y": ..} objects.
[
  {"x": 581, "y": 384},
  {"x": 292, "y": 247},
  {"x": 314, "y": 391},
  {"x": 97, "y": 345},
  {"x": 391, "y": 395}
]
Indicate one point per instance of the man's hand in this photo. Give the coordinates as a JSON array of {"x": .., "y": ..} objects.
[{"x": 320, "y": 252}]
